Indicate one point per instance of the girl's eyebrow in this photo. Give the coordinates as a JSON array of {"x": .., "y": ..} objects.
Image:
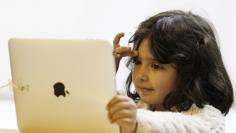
[{"x": 149, "y": 59}]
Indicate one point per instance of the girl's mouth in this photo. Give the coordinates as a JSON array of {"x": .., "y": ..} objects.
[{"x": 146, "y": 91}]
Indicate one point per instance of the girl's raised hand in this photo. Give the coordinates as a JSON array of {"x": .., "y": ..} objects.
[
  {"x": 122, "y": 111},
  {"x": 119, "y": 51}
]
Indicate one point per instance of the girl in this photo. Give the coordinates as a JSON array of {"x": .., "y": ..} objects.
[{"x": 178, "y": 75}]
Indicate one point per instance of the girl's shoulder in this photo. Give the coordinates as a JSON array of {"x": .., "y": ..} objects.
[
  {"x": 206, "y": 110},
  {"x": 194, "y": 110},
  {"x": 206, "y": 119}
]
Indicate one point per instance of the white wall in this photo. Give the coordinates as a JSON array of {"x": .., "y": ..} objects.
[{"x": 103, "y": 19}]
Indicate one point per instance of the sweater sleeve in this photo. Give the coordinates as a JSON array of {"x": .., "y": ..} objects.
[{"x": 206, "y": 120}]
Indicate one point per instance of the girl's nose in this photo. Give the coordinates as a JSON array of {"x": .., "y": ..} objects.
[
  {"x": 142, "y": 74},
  {"x": 143, "y": 78}
]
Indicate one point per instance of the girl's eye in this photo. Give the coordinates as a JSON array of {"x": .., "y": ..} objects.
[{"x": 156, "y": 66}]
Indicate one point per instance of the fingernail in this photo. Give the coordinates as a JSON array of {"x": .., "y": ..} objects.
[
  {"x": 118, "y": 55},
  {"x": 110, "y": 121},
  {"x": 108, "y": 105}
]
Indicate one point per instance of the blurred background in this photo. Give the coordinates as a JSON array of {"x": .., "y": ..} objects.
[{"x": 101, "y": 19}]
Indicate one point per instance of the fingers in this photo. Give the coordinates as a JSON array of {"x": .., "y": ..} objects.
[
  {"x": 121, "y": 92},
  {"x": 124, "y": 51},
  {"x": 125, "y": 121},
  {"x": 120, "y": 52},
  {"x": 121, "y": 110},
  {"x": 116, "y": 41},
  {"x": 123, "y": 115},
  {"x": 116, "y": 99},
  {"x": 121, "y": 106}
]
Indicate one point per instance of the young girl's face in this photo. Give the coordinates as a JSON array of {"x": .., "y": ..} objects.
[{"x": 153, "y": 81}]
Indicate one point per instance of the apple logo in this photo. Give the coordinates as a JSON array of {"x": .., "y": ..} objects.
[{"x": 59, "y": 89}]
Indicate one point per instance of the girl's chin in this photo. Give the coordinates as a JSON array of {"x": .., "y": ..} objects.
[{"x": 147, "y": 100}]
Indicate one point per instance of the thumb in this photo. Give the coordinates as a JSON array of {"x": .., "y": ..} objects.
[{"x": 121, "y": 92}]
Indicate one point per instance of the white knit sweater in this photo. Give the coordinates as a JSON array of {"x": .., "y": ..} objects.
[{"x": 195, "y": 120}]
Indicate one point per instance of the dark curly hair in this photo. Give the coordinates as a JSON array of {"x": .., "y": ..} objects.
[{"x": 188, "y": 41}]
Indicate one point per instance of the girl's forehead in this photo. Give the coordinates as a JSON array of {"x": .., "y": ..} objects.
[{"x": 144, "y": 50}]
